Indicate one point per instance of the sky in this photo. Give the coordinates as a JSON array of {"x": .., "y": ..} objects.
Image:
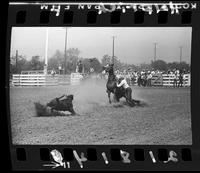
[{"x": 133, "y": 45}]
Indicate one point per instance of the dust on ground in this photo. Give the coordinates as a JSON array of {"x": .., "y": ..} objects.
[{"x": 164, "y": 118}]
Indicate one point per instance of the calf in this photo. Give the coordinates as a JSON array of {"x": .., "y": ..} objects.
[{"x": 62, "y": 105}]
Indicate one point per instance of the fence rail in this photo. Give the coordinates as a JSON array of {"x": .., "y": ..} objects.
[
  {"x": 75, "y": 79},
  {"x": 168, "y": 80},
  {"x": 39, "y": 79}
]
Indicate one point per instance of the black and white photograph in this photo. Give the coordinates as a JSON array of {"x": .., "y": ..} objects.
[{"x": 100, "y": 85}]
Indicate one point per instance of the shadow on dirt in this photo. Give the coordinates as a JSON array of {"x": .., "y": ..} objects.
[{"x": 124, "y": 103}]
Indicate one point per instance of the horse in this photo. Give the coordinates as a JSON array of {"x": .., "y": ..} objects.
[
  {"x": 111, "y": 84},
  {"x": 118, "y": 92},
  {"x": 62, "y": 105}
]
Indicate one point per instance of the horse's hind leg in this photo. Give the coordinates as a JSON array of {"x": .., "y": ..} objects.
[
  {"x": 109, "y": 96},
  {"x": 116, "y": 98},
  {"x": 130, "y": 102}
]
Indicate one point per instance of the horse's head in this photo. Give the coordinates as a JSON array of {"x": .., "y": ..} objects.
[
  {"x": 108, "y": 68},
  {"x": 70, "y": 97}
]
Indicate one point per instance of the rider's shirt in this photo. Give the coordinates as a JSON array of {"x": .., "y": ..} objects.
[{"x": 123, "y": 83}]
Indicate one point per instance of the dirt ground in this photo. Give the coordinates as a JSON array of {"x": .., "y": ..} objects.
[{"x": 165, "y": 118}]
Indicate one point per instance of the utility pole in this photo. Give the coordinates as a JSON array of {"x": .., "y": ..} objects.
[
  {"x": 16, "y": 59},
  {"x": 113, "y": 49},
  {"x": 181, "y": 48},
  {"x": 46, "y": 51},
  {"x": 65, "y": 67},
  {"x": 155, "y": 44}
]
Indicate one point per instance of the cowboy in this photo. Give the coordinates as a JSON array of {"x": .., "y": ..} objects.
[
  {"x": 175, "y": 77},
  {"x": 180, "y": 84},
  {"x": 128, "y": 91},
  {"x": 53, "y": 72},
  {"x": 149, "y": 77}
]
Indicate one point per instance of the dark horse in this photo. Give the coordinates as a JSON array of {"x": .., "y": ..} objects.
[
  {"x": 118, "y": 92},
  {"x": 111, "y": 84}
]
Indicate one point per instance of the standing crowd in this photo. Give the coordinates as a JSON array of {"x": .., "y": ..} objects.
[{"x": 147, "y": 77}]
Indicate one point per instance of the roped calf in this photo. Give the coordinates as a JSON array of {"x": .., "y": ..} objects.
[{"x": 62, "y": 105}]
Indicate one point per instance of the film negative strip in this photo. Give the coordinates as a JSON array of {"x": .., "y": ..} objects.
[{"x": 103, "y": 85}]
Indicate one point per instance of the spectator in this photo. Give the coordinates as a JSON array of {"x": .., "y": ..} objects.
[
  {"x": 152, "y": 73},
  {"x": 149, "y": 79},
  {"x": 180, "y": 84},
  {"x": 53, "y": 72},
  {"x": 175, "y": 79},
  {"x": 139, "y": 81},
  {"x": 133, "y": 79},
  {"x": 145, "y": 79},
  {"x": 184, "y": 80}
]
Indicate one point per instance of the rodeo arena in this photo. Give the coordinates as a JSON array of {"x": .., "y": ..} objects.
[{"x": 51, "y": 108}]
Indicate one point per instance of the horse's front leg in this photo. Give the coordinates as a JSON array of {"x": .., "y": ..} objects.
[
  {"x": 116, "y": 99},
  {"x": 109, "y": 95},
  {"x": 71, "y": 109}
]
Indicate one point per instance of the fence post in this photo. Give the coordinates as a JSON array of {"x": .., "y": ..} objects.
[
  {"x": 37, "y": 80},
  {"x": 19, "y": 79}
]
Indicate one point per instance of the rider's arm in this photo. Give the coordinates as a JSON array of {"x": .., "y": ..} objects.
[{"x": 121, "y": 83}]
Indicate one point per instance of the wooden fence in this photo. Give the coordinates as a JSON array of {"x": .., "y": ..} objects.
[
  {"x": 157, "y": 80},
  {"x": 168, "y": 80}
]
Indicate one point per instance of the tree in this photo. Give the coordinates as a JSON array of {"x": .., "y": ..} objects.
[
  {"x": 71, "y": 64},
  {"x": 144, "y": 66},
  {"x": 133, "y": 67},
  {"x": 56, "y": 60},
  {"x": 73, "y": 52},
  {"x": 105, "y": 60},
  {"x": 108, "y": 59},
  {"x": 22, "y": 64},
  {"x": 86, "y": 64},
  {"x": 36, "y": 64},
  {"x": 96, "y": 65},
  {"x": 71, "y": 60},
  {"x": 159, "y": 65},
  {"x": 117, "y": 64},
  {"x": 181, "y": 66}
]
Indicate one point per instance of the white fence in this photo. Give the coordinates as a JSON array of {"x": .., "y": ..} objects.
[
  {"x": 168, "y": 80},
  {"x": 33, "y": 80},
  {"x": 39, "y": 80},
  {"x": 45, "y": 80},
  {"x": 75, "y": 79}
]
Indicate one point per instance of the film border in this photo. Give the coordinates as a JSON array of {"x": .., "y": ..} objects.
[{"x": 80, "y": 19}]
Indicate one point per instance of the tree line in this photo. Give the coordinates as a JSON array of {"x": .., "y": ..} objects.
[{"x": 72, "y": 57}]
